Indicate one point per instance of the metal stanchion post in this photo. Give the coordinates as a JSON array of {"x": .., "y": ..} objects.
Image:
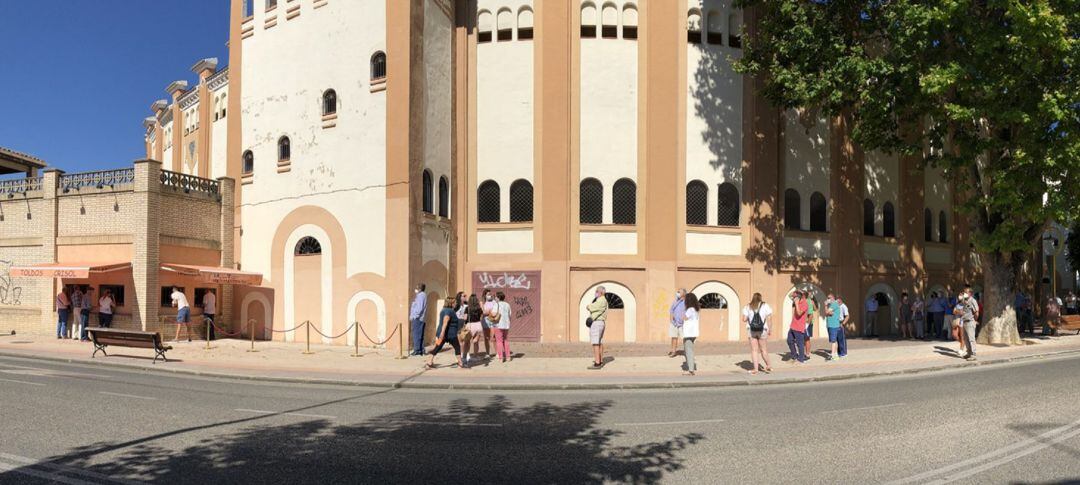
[
  {"x": 251, "y": 324},
  {"x": 208, "y": 323},
  {"x": 401, "y": 342},
  {"x": 356, "y": 339},
  {"x": 308, "y": 351}
]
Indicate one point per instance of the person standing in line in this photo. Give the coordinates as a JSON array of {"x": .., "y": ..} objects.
[
  {"x": 969, "y": 314},
  {"x": 676, "y": 314},
  {"x": 834, "y": 319},
  {"x": 691, "y": 328},
  {"x": 84, "y": 314},
  {"x": 76, "y": 312},
  {"x": 936, "y": 312},
  {"x": 797, "y": 333},
  {"x": 756, "y": 315},
  {"x": 475, "y": 317},
  {"x": 446, "y": 332},
  {"x": 597, "y": 316},
  {"x": 417, "y": 312},
  {"x": 950, "y": 317},
  {"x": 906, "y": 321},
  {"x": 869, "y": 329},
  {"x": 183, "y": 312},
  {"x": 489, "y": 306},
  {"x": 105, "y": 309},
  {"x": 918, "y": 316},
  {"x": 1072, "y": 304},
  {"x": 209, "y": 302},
  {"x": 63, "y": 311},
  {"x": 811, "y": 315},
  {"x": 1051, "y": 317},
  {"x": 501, "y": 320}
]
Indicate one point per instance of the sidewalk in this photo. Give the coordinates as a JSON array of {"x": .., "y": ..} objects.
[{"x": 561, "y": 366}]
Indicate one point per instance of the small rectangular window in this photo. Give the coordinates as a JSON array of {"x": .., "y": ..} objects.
[
  {"x": 200, "y": 293},
  {"x": 166, "y": 295},
  {"x": 716, "y": 38},
  {"x": 588, "y": 31},
  {"x": 506, "y": 34},
  {"x": 693, "y": 36},
  {"x": 629, "y": 32},
  {"x": 483, "y": 37},
  {"x": 610, "y": 32},
  {"x": 735, "y": 41},
  {"x": 525, "y": 33},
  {"x": 117, "y": 293}
]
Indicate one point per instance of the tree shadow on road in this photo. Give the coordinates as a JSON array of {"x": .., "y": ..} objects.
[{"x": 463, "y": 442}]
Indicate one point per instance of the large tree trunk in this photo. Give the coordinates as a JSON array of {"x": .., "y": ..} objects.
[{"x": 999, "y": 293}]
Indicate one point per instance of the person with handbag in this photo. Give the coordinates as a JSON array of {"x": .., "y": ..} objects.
[
  {"x": 447, "y": 333},
  {"x": 678, "y": 309},
  {"x": 597, "y": 316},
  {"x": 488, "y": 300},
  {"x": 691, "y": 328},
  {"x": 500, "y": 319},
  {"x": 756, "y": 315}
]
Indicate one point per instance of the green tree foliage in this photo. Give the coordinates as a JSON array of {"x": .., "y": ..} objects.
[
  {"x": 986, "y": 89},
  {"x": 1073, "y": 246}
]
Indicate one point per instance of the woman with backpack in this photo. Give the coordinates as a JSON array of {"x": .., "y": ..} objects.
[
  {"x": 756, "y": 316},
  {"x": 691, "y": 328}
]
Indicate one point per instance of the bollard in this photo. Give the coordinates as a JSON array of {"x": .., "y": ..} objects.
[
  {"x": 208, "y": 323},
  {"x": 251, "y": 323},
  {"x": 308, "y": 351},
  {"x": 356, "y": 339},
  {"x": 401, "y": 341}
]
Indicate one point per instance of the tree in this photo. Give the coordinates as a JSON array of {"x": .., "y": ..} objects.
[
  {"x": 985, "y": 89},
  {"x": 1073, "y": 247}
]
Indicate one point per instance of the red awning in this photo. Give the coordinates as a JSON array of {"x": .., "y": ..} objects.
[
  {"x": 215, "y": 274},
  {"x": 67, "y": 270}
]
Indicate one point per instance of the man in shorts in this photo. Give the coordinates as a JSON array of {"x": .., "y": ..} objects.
[
  {"x": 598, "y": 314},
  {"x": 183, "y": 312},
  {"x": 834, "y": 318},
  {"x": 968, "y": 316},
  {"x": 676, "y": 314}
]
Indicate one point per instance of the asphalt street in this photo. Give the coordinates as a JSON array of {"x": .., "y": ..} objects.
[{"x": 1012, "y": 423}]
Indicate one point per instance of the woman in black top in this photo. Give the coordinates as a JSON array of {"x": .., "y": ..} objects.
[{"x": 446, "y": 333}]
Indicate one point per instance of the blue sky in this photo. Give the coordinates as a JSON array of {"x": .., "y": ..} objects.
[{"x": 77, "y": 76}]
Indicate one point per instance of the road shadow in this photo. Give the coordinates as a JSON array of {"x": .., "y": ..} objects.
[
  {"x": 493, "y": 441},
  {"x": 948, "y": 352}
]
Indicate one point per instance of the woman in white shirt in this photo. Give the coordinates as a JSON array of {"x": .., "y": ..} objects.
[
  {"x": 756, "y": 316},
  {"x": 690, "y": 330},
  {"x": 105, "y": 309}
]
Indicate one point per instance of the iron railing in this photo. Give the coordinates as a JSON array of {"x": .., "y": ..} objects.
[
  {"x": 189, "y": 183},
  {"x": 20, "y": 186},
  {"x": 98, "y": 180}
]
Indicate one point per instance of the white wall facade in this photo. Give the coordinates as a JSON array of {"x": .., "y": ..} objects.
[
  {"x": 807, "y": 166},
  {"x": 882, "y": 176}
]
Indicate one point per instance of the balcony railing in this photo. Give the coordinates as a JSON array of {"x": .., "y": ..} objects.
[
  {"x": 20, "y": 186},
  {"x": 190, "y": 183},
  {"x": 113, "y": 179}
]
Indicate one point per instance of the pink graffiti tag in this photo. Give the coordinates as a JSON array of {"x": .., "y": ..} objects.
[{"x": 519, "y": 282}]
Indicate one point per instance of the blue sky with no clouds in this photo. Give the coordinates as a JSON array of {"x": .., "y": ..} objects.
[{"x": 77, "y": 76}]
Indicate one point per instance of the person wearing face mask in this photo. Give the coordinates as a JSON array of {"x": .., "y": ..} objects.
[
  {"x": 677, "y": 313},
  {"x": 417, "y": 311},
  {"x": 597, "y": 316},
  {"x": 490, "y": 305}
]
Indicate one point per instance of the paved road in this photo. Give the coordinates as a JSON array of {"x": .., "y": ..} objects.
[{"x": 1016, "y": 423}]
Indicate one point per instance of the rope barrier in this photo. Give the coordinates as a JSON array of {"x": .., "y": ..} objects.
[
  {"x": 289, "y": 330},
  {"x": 225, "y": 332},
  {"x": 373, "y": 342},
  {"x": 336, "y": 336}
]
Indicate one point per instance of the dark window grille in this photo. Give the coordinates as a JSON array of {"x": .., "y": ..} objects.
[
  {"x": 792, "y": 210},
  {"x": 727, "y": 205},
  {"x": 818, "y": 212},
  {"x": 591, "y": 210},
  {"x": 521, "y": 201},
  {"x": 693, "y": 36},
  {"x": 505, "y": 34},
  {"x": 307, "y": 246},
  {"x": 888, "y": 218},
  {"x": 483, "y": 37},
  {"x": 525, "y": 33},
  {"x": 588, "y": 31},
  {"x": 624, "y": 202},
  {"x": 166, "y": 295},
  {"x": 697, "y": 203},
  {"x": 378, "y": 66},
  {"x": 868, "y": 217},
  {"x": 928, "y": 225},
  {"x": 428, "y": 186},
  {"x": 609, "y": 31},
  {"x": 249, "y": 162},
  {"x": 735, "y": 41},
  {"x": 487, "y": 202},
  {"x": 117, "y": 293},
  {"x": 943, "y": 227},
  {"x": 284, "y": 151},
  {"x": 614, "y": 302},
  {"x": 712, "y": 301},
  {"x": 629, "y": 32},
  {"x": 444, "y": 197},
  {"x": 329, "y": 102}
]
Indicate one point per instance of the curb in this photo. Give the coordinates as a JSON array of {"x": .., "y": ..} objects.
[{"x": 405, "y": 384}]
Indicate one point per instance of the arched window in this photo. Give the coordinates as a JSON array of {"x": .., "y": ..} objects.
[
  {"x": 525, "y": 24},
  {"x": 483, "y": 27},
  {"x": 271, "y": 4},
  {"x": 614, "y": 302},
  {"x": 283, "y": 149},
  {"x": 629, "y": 22},
  {"x": 609, "y": 18},
  {"x": 307, "y": 246},
  {"x": 943, "y": 227},
  {"x": 521, "y": 201},
  {"x": 715, "y": 28},
  {"x": 591, "y": 210},
  {"x": 329, "y": 102},
  {"x": 505, "y": 24},
  {"x": 378, "y": 66},
  {"x": 428, "y": 187},
  {"x": 712, "y": 301},
  {"x": 868, "y": 217},
  {"x": 928, "y": 225},
  {"x": 792, "y": 210},
  {"x": 693, "y": 27},
  {"x": 735, "y": 29},
  {"x": 697, "y": 203},
  {"x": 444, "y": 197},
  {"x": 487, "y": 202},
  {"x": 248, "y": 165},
  {"x": 624, "y": 202},
  {"x": 588, "y": 20},
  {"x": 818, "y": 211},
  {"x": 727, "y": 205},
  {"x": 888, "y": 218},
  {"x": 249, "y": 8}
]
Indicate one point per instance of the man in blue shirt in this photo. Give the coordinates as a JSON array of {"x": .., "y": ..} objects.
[
  {"x": 834, "y": 317},
  {"x": 417, "y": 311},
  {"x": 676, "y": 313}
]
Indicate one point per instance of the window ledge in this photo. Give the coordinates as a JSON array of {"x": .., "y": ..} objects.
[
  {"x": 936, "y": 244},
  {"x": 608, "y": 228},
  {"x": 700, "y": 229},
  {"x": 378, "y": 85},
  {"x": 284, "y": 166},
  {"x": 806, "y": 234},
  {"x": 271, "y": 8},
  {"x": 246, "y": 178},
  {"x": 332, "y": 116},
  {"x": 329, "y": 121},
  {"x": 503, "y": 226}
]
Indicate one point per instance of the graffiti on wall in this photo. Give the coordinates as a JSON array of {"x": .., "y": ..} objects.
[
  {"x": 497, "y": 281},
  {"x": 522, "y": 290},
  {"x": 9, "y": 293}
]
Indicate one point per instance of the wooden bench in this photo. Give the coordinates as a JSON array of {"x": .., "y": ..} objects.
[
  {"x": 104, "y": 337},
  {"x": 1067, "y": 322}
]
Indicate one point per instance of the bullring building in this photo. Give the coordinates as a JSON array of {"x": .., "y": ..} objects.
[{"x": 354, "y": 148}]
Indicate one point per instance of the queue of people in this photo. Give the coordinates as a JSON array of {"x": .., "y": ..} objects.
[{"x": 463, "y": 323}]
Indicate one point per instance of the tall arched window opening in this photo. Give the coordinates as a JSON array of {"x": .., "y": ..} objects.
[
  {"x": 792, "y": 210},
  {"x": 588, "y": 20},
  {"x": 428, "y": 187},
  {"x": 624, "y": 202},
  {"x": 487, "y": 202},
  {"x": 248, "y": 162},
  {"x": 818, "y": 212},
  {"x": 943, "y": 227},
  {"x": 378, "y": 66},
  {"x": 697, "y": 203},
  {"x": 928, "y": 225},
  {"x": 591, "y": 202},
  {"x": 329, "y": 102},
  {"x": 444, "y": 197},
  {"x": 283, "y": 149},
  {"x": 727, "y": 205},
  {"x": 868, "y": 217},
  {"x": 693, "y": 27},
  {"x": 888, "y": 219},
  {"x": 521, "y": 201}
]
